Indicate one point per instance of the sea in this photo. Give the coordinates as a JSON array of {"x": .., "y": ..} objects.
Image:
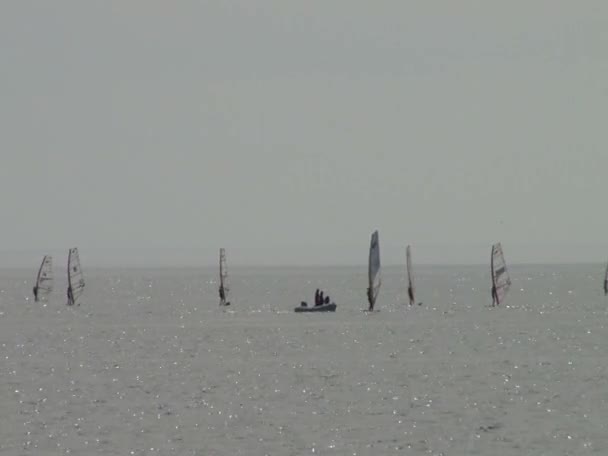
[{"x": 149, "y": 364}]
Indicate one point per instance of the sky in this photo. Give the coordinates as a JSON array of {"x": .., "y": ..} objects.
[{"x": 156, "y": 132}]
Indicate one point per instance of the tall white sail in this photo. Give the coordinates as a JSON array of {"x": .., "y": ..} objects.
[
  {"x": 500, "y": 276},
  {"x": 411, "y": 291},
  {"x": 75, "y": 277},
  {"x": 44, "y": 279},
  {"x": 374, "y": 270},
  {"x": 224, "y": 271}
]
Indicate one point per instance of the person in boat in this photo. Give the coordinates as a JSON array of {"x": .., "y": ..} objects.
[
  {"x": 317, "y": 297},
  {"x": 494, "y": 296},
  {"x": 70, "y": 297},
  {"x": 326, "y": 301},
  {"x": 222, "y": 295},
  {"x": 35, "y": 290},
  {"x": 370, "y": 299},
  {"x": 320, "y": 302},
  {"x": 410, "y": 293}
]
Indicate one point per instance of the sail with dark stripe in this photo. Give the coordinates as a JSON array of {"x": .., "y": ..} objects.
[
  {"x": 374, "y": 280},
  {"x": 501, "y": 282},
  {"x": 224, "y": 285},
  {"x": 75, "y": 277},
  {"x": 44, "y": 279},
  {"x": 411, "y": 291}
]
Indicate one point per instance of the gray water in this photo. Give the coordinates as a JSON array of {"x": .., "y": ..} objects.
[{"x": 149, "y": 364}]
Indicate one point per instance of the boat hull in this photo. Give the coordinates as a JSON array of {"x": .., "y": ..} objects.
[{"x": 324, "y": 308}]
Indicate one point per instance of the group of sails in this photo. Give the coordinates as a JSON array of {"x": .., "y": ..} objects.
[
  {"x": 44, "y": 280},
  {"x": 501, "y": 282}
]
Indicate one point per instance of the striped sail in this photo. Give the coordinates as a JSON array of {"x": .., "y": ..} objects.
[
  {"x": 75, "y": 277},
  {"x": 500, "y": 276},
  {"x": 44, "y": 280},
  {"x": 374, "y": 270}
]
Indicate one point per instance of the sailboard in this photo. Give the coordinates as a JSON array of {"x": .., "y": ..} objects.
[
  {"x": 606, "y": 281},
  {"x": 44, "y": 279},
  {"x": 500, "y": 276},
  {"x": 75, "y": 277},
  {"x": 224, "y": 284},
  {"x": 411, "y": 290},
  {"x": 374, "y": 279}
]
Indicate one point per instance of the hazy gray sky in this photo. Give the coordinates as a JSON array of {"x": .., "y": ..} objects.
[{"x": 279, "y": 129}]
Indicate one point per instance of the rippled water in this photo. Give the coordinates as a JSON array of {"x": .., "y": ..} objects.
[{"x": 150, "y": 365}]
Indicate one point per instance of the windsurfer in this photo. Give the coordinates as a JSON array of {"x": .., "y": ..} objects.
[
  {"x": 410, "y": 293},
  {"x": 70, "y": 297},
  {"x": 222, "y": 295},
  {"x": 35, "y": 290},
  {"x": 370, "y": 299},
  {"x": 494, "y": 296}
]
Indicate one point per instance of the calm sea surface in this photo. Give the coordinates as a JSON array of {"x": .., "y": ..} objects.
[{"x": 149, "y": 364}]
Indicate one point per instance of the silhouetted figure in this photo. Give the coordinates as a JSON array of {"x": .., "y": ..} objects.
[
  {"x": 494, "y": 296},
  {"x": 370, "y": 299}
]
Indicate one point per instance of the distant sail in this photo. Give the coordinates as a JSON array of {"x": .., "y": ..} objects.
[
  {"x": 500, "y": 276},
  {"x": 44, "y": 279},
  {"x": 411, "y": 291},
  {"x": 606, "y": 281},
  {"x": 374, "y": 280},
  {"x": 224, "y": 284},
  {"x": 75, "y": 277}
]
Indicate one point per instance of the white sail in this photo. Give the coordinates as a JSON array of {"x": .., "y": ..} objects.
[
  {"x": 224, "y": 271},
  {"x": 500, "y": 276},
  {"x": 44, "y": 280},
  {"x": 374, "y": 269},
  {"x": 75, "y": 277},
  {"x": 410, "y": 276}
]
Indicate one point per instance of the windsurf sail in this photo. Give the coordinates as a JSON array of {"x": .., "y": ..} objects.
[
  {"x": 44, "y": 279},
  {"x": 75, "y": 277},
  {"x": 224, "y": 285},
  {"x": 410, "y": 276},
  {"x": 500, "y": 276},
  {"x": 373, "y": 270},
  {"x": 606, "y": 281}
]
